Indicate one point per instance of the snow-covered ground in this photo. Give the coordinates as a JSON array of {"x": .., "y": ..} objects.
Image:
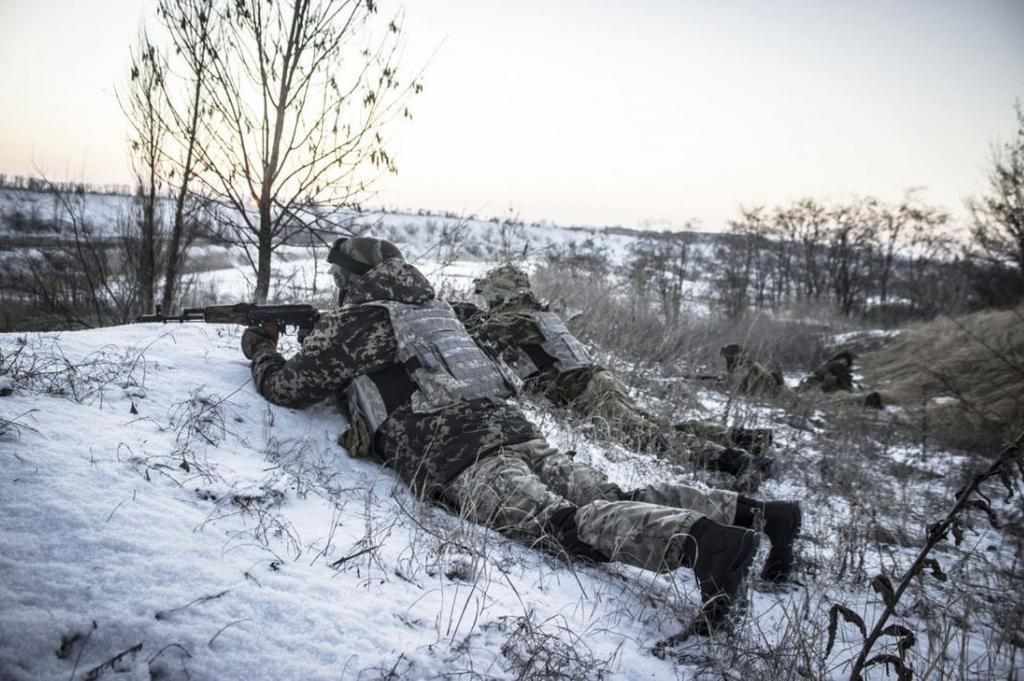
[
  {"x": 172, "y": 481},
  {"x": 293, "y": 279},
  {"x": 160, "y": 501},
  {"x": 161, "y": 520}
]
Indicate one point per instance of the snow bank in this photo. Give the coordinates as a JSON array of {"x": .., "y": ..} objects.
[
  {"x": 172, "y": 507},
  {"x": 161, "y": 520}
]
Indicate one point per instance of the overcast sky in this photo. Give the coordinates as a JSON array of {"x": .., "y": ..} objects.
[{"x": 588, "y": 112}]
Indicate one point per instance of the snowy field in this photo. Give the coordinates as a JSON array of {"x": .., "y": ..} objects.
[
  {"x": 29, "y": 214},
  {"x": 293, "y": 279},
  {"x": 160, "y": 501},
  {"x": 162, "y": 519},
  {"x": 452, "y": 249}
]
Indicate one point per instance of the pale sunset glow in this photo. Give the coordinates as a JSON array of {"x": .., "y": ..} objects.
[{"x": 638, "y": 113}]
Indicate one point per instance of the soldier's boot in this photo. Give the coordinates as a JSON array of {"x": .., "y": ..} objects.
[
  {"x": 720, "y": 556},
  {"x": 782, "y": 521}
]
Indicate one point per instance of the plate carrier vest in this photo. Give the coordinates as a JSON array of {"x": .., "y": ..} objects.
[{"x": 441, "y": 360}]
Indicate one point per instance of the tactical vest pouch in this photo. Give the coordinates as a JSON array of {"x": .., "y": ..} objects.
[
  {"x": 560, "y": 344},
  {"x": 366, "y": 413},
  {"x": 357, "y": 440},
  {"x": 524, "y": 366}
]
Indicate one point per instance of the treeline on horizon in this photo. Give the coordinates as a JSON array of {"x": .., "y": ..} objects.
[{"x": 866, "y": 260}]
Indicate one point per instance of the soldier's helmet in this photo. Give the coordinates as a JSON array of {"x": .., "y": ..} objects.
[
  {"x": 354, "y": 257},
  {"x": 844, "y": 358},
  {"x": 502, "y": 283},
  {"x": 733, "y": 354}
]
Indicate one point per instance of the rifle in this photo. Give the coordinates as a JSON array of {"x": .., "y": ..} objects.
[{"x": 302, "y": 317}]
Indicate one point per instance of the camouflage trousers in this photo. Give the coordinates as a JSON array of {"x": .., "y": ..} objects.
[
  {"x": 606, "y": 403},
  {"x": 520, "y": 489}
]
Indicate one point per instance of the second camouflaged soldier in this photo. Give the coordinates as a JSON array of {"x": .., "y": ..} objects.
[
  {"x": 423, "y": 399},
  {"x": 835, "y": 374},
  {"x": 555, "y": 364},
  {"x": 749, "y": 377}
]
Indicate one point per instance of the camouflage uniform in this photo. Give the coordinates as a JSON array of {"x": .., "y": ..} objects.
[
  {"x": 749, "y": 377},
  {"x": 835, "y": 374},
  {"x": 480, "y": 455},
  {"x": 553, "y": 363},
  {"x": 522, "y": 489}
]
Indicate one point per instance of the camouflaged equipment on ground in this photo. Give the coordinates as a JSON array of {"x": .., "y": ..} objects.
[{"x": 559, "y": 343}]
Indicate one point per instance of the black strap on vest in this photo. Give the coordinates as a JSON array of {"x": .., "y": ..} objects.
[
  {"x": 542, "y": 360},
  {"x": 394, "y": 385}
]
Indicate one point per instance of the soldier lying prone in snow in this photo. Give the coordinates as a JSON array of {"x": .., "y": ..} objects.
[{"x": 423, "y": 399}]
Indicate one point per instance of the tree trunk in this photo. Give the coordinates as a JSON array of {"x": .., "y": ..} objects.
[
  {"x": 147, "y": 268},
  {"x": 174, "y": 255},
  {"x": 266, "y": 244},
  {"x": 172, "y": 273}
]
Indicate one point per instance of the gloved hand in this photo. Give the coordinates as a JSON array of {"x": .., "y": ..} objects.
[{"x": 259, "y": 338}]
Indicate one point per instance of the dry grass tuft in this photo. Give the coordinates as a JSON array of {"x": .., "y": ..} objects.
[
  {"x": 964, "y": 375},
  {"x": 606, "y": 314}
]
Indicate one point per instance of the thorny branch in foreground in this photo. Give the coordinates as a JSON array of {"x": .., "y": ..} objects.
[{"x": 1007, "y": 464}]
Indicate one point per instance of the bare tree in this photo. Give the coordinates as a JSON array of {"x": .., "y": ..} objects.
[
  {"x": 850, "y": 253},
  {"x": 143, "y": 107},
  {"x": 190, "y": 27},
  {"x": 889, "y": 232},
  {"x": 844, "y": 254},
  {"x": 763, "y": 258},
  {"x": 663, "y": 262},
  {"x": 735, "y": 263},
  {"x": 998, "y": 217},
  {"x": 783, "y": 243},
  {"x": 295, "y": 109},
  {"x": 933, "y": 279},
  {"x": 907, "y": 235},
  {"x": 806, "y": 224}
]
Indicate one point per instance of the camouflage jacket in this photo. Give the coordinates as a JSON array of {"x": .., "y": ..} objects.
[
  {"x": 427, "y": 450},
  {"x": 510, "y": 331}
]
